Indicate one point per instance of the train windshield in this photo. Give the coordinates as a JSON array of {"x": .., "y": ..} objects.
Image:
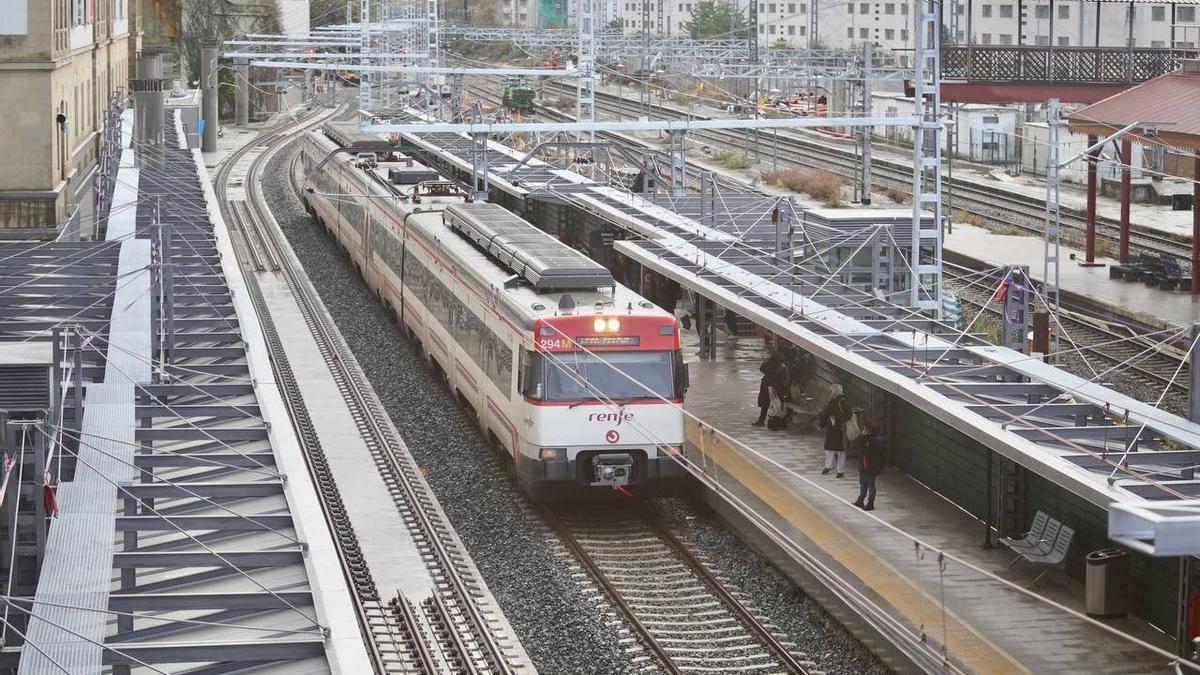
[{"x": 617, "y": 375}]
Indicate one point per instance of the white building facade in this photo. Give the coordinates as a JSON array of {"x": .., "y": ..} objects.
[{"x": 889, "y": 24}]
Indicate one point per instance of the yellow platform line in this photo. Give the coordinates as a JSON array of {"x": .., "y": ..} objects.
[{"x": 969, "y": 647}]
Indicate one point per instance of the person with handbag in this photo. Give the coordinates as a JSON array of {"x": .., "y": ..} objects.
[
  {"x": 870, "y": 465},
  {"x": 771, "y": 385},
  {"x": 833, "y": 420}
]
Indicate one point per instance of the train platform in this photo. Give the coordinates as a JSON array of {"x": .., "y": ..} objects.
[
  {"x": 989, "y": 617},
  {"x": 1150, "y": 306}
]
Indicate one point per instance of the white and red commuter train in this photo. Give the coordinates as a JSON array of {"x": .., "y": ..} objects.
[{"x": 577, "y": 378}]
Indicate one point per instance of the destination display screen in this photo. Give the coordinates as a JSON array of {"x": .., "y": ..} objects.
[{"x": 609, "y": 340}]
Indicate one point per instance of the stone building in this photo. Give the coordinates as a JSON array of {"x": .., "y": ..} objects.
[{"x": 61, "y": 64}]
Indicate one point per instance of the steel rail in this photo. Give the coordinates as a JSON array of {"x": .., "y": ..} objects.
[
  {"x": 400, "y": 475},
  {"x": 685, "y": 562},
  {"x": 349, "y": 553},
  {"x": 644, "y": 635}
]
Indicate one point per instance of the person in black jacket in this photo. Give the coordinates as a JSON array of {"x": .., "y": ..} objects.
[
  {"x": 773, "y": 383},
  {"x": 870, "y": 465},
  {"x": 833, "y": 420}
]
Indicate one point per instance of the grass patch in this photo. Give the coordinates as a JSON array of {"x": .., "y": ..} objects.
[
  {"x": 1010, "y": 231},
  {"x": 679, "y": 98},
  {"x": 896, "y": 194},
  {"x": 818, "y": 184},
  {"x": 732, "y": 160},
  {"x": 968, "y": 218}
]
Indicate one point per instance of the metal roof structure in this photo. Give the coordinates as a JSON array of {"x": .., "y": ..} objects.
[
  {"x": 1095, "y": 442},
  {"x": 176, "y": 546},
  {"x": 1164, "y": 110}
]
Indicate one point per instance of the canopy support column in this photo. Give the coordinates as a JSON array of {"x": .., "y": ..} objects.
[{"x": 1126, "y": 184}]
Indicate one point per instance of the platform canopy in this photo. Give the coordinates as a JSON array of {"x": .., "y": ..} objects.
[{"x": 1163, "y": 110}]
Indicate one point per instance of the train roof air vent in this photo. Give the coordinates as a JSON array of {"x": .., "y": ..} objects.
[{"x": 535, "y": 256}]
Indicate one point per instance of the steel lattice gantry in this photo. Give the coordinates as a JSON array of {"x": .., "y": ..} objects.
[{"x": 177, "y": 545}]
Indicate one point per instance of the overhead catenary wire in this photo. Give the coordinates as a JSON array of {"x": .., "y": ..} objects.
[{"x": 102, "y": 645}]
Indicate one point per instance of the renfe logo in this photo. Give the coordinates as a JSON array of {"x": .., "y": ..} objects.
[{"x": 617, "y": 417}]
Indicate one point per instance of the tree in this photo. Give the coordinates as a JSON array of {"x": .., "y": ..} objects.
[
  {"x": 324, "y": 12},
  {"x": 712, "y": 19}
]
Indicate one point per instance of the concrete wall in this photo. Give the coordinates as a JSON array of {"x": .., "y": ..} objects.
[
  {"x": 1035, "y": 147},
  {"x": 293, "y": 16},
  {"x": 977, "y": 126}
]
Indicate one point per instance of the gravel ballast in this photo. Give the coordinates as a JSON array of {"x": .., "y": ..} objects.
[{"x": 557, "y": 619}]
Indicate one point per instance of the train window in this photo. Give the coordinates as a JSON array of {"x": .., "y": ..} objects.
[
  {"x": 530, "y": 381},
  {"x": 617, "y": 376}
]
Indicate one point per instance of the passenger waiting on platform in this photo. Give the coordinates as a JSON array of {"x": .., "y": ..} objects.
[
  {"x": 833, "y": 421},
  {"x": 870, "y": 465},
  {"x": 771, "y": 388},
  {"x": 731, "y": 324}
]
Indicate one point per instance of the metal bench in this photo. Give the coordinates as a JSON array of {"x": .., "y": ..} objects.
[
  {"x": 1056, "y": 556},
  {"x": 1043, "y": 544},
  {"x": 806, "y": 404},
  {"x": 1171, "y": 275},
  {"x": 1031, "y": 538},
  {"x": 1141, "y": 267}
]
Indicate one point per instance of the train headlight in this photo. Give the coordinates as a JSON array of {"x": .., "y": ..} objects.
[
  {"x": 598, "y": 325},
  {"x": 614, "y": 325},
  {"x": 552, "y": 453}
]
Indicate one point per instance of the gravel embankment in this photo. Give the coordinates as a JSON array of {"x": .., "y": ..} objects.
[{"x": 559, "y": 624}]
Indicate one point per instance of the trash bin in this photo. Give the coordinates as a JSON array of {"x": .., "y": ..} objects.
[{"x": 1106, "y": 582}]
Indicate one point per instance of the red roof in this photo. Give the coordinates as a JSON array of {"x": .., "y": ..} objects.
[{"x": 1170, "y": 103}]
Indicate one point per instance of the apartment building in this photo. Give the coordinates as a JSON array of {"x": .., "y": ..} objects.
[
  {"x": 519, "y": 13},
  {"x": 671, "y": 15},
  {"x": 60, "y": 62},
  {"x": 889, "y": 24}
]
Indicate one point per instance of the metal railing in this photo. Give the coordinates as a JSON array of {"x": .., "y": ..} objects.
[{"x": 1044, "y": 64}]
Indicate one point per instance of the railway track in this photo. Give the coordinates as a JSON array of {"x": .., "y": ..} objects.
[
  {"x": 683, "y": 614},
  {"x": 995, "y": 206},
  {"x": 452, "y": 631}
]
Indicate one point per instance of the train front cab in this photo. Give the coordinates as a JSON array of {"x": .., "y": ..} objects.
[{"x": 603, "y": 409}]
